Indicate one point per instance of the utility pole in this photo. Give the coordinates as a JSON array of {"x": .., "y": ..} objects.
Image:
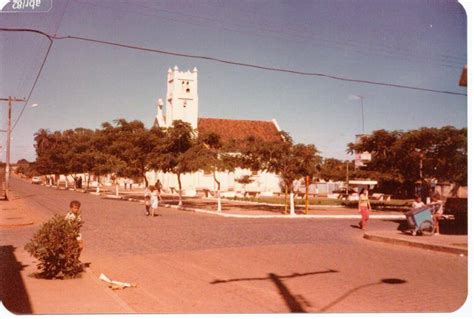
[
  {"x": 361, "y": 99},
  {"x": 9, "y": 133},
  {"x": 347, "y": 178},
  {"x": 362, "y": 107}
]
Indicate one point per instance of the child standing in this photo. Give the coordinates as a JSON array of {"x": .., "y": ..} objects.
[
  {"x": 147, "y": 204},
  {"x": 74, "y": 215}
]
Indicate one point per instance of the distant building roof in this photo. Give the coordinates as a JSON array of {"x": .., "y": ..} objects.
[{"x": 239, "y": 130}]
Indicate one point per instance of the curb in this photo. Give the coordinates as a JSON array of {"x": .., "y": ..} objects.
[
  {"x": 235, "y": 215},
  {"x": 402, "y": 242},
  {"x": 17, "y": 225},
  {"x": 196, "y": 210}
]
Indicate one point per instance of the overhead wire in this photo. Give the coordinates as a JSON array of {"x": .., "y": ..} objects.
[
  {"x": 34, "y": 84},
  {"x": 208, "y": 58},
  {"x": 294, "y": 36},
  {"x": 42, "y": 65},
  {"x": 296, "y": 33}
]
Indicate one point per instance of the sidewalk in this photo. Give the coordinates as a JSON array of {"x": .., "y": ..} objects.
[
  {"x": 22, "y": 293},
  {"x": 14, "y": 212},
  {"x": 454, "y": 244}
]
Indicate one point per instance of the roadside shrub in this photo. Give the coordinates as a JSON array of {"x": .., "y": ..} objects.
[{"x": 56, "y": 248}]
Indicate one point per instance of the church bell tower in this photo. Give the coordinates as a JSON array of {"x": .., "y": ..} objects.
[{"x": 181, "y": 98}]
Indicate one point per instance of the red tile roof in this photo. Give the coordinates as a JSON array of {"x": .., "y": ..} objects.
[{"x": 239, "y": 130}]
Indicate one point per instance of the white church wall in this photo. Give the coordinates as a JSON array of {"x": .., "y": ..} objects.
[
  {"x": 182, "y": 104},
  {"x": 263, "y": 183}
]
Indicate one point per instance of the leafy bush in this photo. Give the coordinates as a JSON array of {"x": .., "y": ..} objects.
[{"x": 57, "y": 249}]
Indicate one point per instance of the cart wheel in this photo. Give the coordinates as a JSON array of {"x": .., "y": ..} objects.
[{"x": 427, "y": 228}]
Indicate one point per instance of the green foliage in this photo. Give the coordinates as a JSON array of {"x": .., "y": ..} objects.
[
  {"x": 290, "y": 161},
  {"x": 178, "y": 152},
  {"x": 214, "y": 157},
  {"x": 56, "y": 248},
  {"x": 336, "y": 170},
  {"x": 439, "y": 153},
  {"x": 26, "y": 168}
]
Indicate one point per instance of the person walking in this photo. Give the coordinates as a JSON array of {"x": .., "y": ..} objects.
[
  {"x": 437, "y": 203},
  {"x": 364, "y": 207},
  {"x": 153, "y": 200},
  {"x": 158, "y": 186}
]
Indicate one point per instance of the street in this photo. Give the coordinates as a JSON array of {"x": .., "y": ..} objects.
[{"x": 186, "y": 262}]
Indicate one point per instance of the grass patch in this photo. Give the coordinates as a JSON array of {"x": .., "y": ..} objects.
[
  {"x": 298, "y": 201},
  {"x": 394, "y": 204}
]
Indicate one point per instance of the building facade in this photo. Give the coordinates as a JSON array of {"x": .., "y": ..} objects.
[{"x": 182, "y": 103}]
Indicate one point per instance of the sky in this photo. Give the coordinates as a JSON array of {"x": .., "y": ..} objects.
[{"x": 411, "y": 43}]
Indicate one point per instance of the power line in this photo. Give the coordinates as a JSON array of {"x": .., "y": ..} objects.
[
  {"x": 50, "y": 38},
  {"x": 34, "y": 85},
  {"x": 254, "y": 66},
  {"x": 295, "y": 35},
  {"x": 42, "y": 65}
]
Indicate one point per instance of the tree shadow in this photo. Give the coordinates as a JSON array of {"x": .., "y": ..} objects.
[
  {"x": 389, "y": 281},
  {"x": 295, "y": 303},
  {"x": 13, "y": 293}
]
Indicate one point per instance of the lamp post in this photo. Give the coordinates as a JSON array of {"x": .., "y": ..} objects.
[
  {"x": 420, "y": 154},
  {"x": 361, "y": 99}
]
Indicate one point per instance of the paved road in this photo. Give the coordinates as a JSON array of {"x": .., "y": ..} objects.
[{"x": 186, "y": 262}]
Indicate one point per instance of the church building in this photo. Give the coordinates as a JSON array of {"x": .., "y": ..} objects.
[{"x": 182, "y": 104}]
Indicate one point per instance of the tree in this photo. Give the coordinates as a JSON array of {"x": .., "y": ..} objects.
[
  {"x": 291, "y": 162},
  {"x": 52, "y": 152},
  {"x": 336, "y": 170},
  {"x": 178, "y": 153},
  {"x": 132, "y": 143},
  {"x": 402, "y": 158},
  {"x": 102, "y": 159},
  {"x": 216, "y": 158},
  {"x": 23, "y": 167}
]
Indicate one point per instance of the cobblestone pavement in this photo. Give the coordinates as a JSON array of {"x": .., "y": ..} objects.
[{"x": 185, "y": 262}]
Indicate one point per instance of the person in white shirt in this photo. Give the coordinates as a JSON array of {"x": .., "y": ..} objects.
[
  {"x": 154, "y": 200},
  {"x": 418, "y": 202}
]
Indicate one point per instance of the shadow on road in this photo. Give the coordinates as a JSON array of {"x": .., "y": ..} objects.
[
  {"x": 295, "y": 303},
  {"x": 21, "y": 197},
  {"x": 12, "y": 289},
  {"x": 390, "y": 281}
]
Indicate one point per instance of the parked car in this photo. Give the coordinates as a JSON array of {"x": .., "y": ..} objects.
[{"x": 35, "y": 180}]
